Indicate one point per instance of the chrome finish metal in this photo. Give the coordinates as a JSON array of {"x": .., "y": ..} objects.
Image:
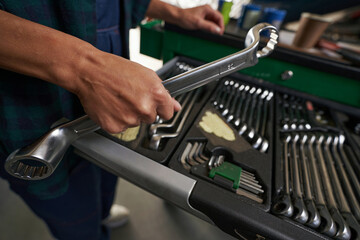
[
  {"x": 327, "y": 224},
  {"x": 156, "y": 138},
  {"x": 288, "y": 74},
  {"x": 314, "y": 216},
  {"x": 301, "y": 214},
  {"x": 39, "y": 160},
  {"x": 248, "y": 57},
  {"x": 343, "y": 230}
]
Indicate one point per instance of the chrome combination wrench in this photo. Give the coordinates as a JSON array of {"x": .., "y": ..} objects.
[{"x": 39, "y": 159}]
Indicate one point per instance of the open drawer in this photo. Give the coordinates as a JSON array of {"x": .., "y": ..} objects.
[{"x": 233, "y": 173}]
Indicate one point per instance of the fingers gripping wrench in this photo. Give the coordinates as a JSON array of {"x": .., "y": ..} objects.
[{"x": 39, "y": 159}]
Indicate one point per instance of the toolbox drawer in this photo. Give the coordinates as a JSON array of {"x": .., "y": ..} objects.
[{"x": 242, "y": 191}]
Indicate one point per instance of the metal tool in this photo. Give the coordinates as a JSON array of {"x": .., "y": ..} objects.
[
  {"x": 348, "y": 167},
  {"x": 300, "y": 212},
  {"x": 235, "y": 103},
  {"x": 314, "y": 216},
  {"x": 243, "y": 125},
  {"x": 46, "y": 153},
  {"x": 240, "y": 177},
  {"x": 291, "y": 107},
  {"x": 343, "y": 206},
  {"x": 220, "y": 92},
  {"x": 236, "y": 119},
  {"x": 283, "y": 206},
  {"x": 155, "y": 126},
  {"x": 185, "y": 155},
  {"x": 230, "y": 99},
  {"x": 305, "y": 116},
  {"x": 258, "y": 139},
  {"x": 250, "y": 122},
  {"x": 156, "y": 138},
  {"x": 355, "y": 205},
  {"x": 190, "y": 157},
  {"x": 225, "y": 95},
  {"x": 343, "y": 230},
  {"x": 265, "y": 143},
  {"x": 38, "y": 160},
  {"x": 217, "y": 166},
  {"x": 284, "y": 114},
  {"x": 193, "y": 155},
  {"x": 198, "y": 156},
  {"x": 327, "y": 224}
]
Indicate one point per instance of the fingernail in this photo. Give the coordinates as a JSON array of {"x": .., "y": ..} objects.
[
  {"x": 217, "y": 29},
  {"x": 177, "y": 105}
]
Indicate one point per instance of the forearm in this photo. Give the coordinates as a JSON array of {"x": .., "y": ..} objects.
[
  {"x": 161, "y": 10},
  {"x": 198, "y": 18},
  {"x": 42, "y": 52}
]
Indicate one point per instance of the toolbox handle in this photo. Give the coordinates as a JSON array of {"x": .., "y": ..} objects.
[{"x": 139, "y": 170}]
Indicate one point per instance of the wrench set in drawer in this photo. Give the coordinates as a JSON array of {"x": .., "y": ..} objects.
[
  {"x": 246, "y": 108},
  {"x": 259, "y": 144},
  {"x": 313, "y": 185}
]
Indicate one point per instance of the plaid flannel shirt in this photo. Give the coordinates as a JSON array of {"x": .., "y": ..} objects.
[{"x": 29, "y": 106}]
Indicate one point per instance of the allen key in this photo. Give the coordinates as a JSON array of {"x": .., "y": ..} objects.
[
  {"x": 190, "y": 157},
  {"x": 246, "y": 180},
  {"x": 184, "y": 156},
  {"x": 198, "y": 153},
  {"x": 155, "y": 126},
  {"x": 156, "y": 138}
]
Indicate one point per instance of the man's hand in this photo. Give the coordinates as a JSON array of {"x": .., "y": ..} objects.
[
  {"x": 201, "y": 18},
  {"x": 117, "y": 93}
]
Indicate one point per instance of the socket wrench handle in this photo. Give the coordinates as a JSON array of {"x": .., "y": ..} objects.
[{"x": 39, "y": 159}]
